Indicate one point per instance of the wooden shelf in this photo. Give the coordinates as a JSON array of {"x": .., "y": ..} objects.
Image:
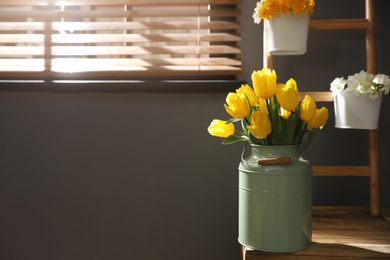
[
  {"x": 341, "y": 171},
  {"x": 340, "y": 233},
  {"x": 372, "y": 169},
  {"x": 339, "y": 24}
]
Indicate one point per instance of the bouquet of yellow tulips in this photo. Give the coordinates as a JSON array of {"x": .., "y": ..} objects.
[{"x": 270, "y": 113}]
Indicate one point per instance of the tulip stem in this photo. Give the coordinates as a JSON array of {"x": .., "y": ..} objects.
[{"x": 247, "y": 121}]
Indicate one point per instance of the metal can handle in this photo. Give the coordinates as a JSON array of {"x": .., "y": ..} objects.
[
  {"x": 267, "y": 161},
  {"x": 271, "y": 161}
]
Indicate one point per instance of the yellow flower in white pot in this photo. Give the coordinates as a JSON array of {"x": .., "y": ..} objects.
[{"x": 288, "y": 24}]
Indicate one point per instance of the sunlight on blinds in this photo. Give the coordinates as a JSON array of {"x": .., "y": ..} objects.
[{"x": 122, "y": 38}]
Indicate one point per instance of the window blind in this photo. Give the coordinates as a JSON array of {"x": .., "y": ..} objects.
[{"x": 96, "y": 39}]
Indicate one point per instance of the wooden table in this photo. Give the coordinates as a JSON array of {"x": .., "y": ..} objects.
[{"x": 340, "y": 233}]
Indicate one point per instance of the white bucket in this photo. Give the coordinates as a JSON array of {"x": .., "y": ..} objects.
[
  {"x": 287, "y": 33},
  {"x": 357, "y": 112}
]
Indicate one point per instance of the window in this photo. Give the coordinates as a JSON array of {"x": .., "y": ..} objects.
[{"x": 121, "y": 39}]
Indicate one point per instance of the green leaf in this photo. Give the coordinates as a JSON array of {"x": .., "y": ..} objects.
[
  {"x": 287, "y": 135},
  {"x": 275, "y": 127},
  {"x": 233, "y": 139},
  {"x": 297, "y": 110},
  {"x": 282, "y": 123},
  {"x": 300, "y": 131},
  {"x": 248, "y": 118},
  {"x": 248, "y": 100},
  {"x": 269, "y": 140},
  {"x": 300, "y": 125},
  {"x": 273, "y": 113},
  {"x": 232, "y": 120},
  {"x": 246, "y": 131},
  {"x": 299, "y": 137},
  {"x": 309, "y": 139}
]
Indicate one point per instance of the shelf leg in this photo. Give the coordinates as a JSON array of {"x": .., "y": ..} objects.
[{"x": 374, "y": 178}]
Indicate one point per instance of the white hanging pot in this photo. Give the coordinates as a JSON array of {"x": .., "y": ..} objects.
[
  {"x": 360, "y": 112},
  {"x": 287, "y": 33}
]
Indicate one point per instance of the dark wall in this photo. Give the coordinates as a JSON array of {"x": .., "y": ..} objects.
[
  {"x": 115, "y": 176},
  {"x": 137, "y": 176}
]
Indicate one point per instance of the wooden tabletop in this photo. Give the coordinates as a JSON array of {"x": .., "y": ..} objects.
[{"x": 341, "y": 233}]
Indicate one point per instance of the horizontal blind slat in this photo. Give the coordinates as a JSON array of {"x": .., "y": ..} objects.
[
  {"x": 175, "y": 25},
  {"x": 193, "y": 12},
  {"x": 119, "y": 50},
  {"x": 123, "y": 2},
  {"x": 22, "y": 38},
  {"x": 138, "y": 38},
  {"x": 21, "y": 50},
  {"x": 116, "y": 38},
  {"x": 85, "y": 26},
  {"x": 137, "y": 50},
  {"x": 21, "y": 26},
  {"x": 119, "y": 74},
  {"x": 22, "y": 65},
  {"x": 144, "y": 62},
  {"x": 163, "y": 71},
  {"x": 38, "y": 64}
]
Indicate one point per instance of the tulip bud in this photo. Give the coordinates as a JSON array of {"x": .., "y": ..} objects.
[
  {"x": 308, "y": 109},
  {"x": 247, "y": 92},
  {"x": 237, "y": 106},
  {"x": 285, "y": 113},
  {"x": 263, "y": 105},
  {"x": 260, "y": 125},
  {"x": 287, "y": 95},
  {"x": 264, "y": 83},
  {"x": 319, "y": 119},
  {"x": 219, "y": 128}
]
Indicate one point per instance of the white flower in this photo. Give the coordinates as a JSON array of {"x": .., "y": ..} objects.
[
  {"x": 353, "y": 84},
  {"x": 383, "y": 80},
  {"x": 365, "y": 88},
  {"x": 256, "y": 16},
  {"x": 386, "y": 90},
  {"x": 374, "y": 95},
  {"x": 337, "y": 85},
  {"x": 360, "y": 83}
]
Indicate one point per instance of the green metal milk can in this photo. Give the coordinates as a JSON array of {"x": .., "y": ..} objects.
[{"x": 275, "y": 199}]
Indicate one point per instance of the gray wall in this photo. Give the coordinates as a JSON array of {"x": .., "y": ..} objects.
[{"x": 137, "y": 176}]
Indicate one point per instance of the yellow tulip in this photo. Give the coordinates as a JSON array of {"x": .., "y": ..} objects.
[
  {"x": 248, "y": 91},
  {"x": 264, "y": 83},
  {"x": 319, "y": 119},
  {"x": 219, "y": 128},
  {"x": 260, "y": 125},
  {"x": 288, "y": 95},
  {"x": 237, "y": 106},
  {"x": 285, "y": 113},
  {"x": 308, "y": 109},
  {"x": 263, "y": 105}
]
